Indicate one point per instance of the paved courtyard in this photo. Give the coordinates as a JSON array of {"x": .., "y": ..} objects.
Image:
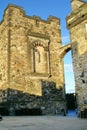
[{"x": 43, "y": 123}]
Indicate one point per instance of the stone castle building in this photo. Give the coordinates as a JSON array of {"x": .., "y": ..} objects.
[
  {"x": 31, "y": 61},
  {"x": 77, "y": 25},
  {"x": 31, "y": 67}
]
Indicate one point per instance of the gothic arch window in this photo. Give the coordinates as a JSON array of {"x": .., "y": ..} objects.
[{"x": 40, "y": 58}]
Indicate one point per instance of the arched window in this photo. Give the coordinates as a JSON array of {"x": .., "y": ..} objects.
[{"x": 40, "y": 59}]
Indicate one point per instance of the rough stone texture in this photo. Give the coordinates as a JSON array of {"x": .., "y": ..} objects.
[
  {"x": 50, "y": 103},
  {"x": 30, "y": 51},
  {"x": 31, "y": 56},
  {"x": 77, "y": 24}
]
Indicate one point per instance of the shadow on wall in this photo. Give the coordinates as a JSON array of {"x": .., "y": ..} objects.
[
  {"x": 71, "y": 101},
  {"x": 14, "y": 102}
]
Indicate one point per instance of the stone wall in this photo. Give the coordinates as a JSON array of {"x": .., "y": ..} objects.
[
  {"x": 50, "y": 103},
  {"x": 31, "y": 57},
  {"x": 29, "y": 53},
  {"x": 76, "y": 23}
]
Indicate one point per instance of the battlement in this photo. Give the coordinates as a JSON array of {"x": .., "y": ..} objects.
[
  {"x": 16, "y": 11},
  {"x": 31, "y": 46}
]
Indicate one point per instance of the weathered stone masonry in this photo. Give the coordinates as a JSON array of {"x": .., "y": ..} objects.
[
  {"x": 30, "y": 54},
  {"x": 31, "y": 66},
  {"x": 77, "y": 24}
]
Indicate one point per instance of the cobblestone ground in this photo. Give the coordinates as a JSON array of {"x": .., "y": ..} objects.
[{"x": 43, "y": 123}]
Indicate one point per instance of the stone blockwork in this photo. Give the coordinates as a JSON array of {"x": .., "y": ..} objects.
[
  {"x": 50, "y": 103},
  {"x": 77, "y": 24},
  {"x": 31, "y": 60},
  {"x": 31, "y": 51}
]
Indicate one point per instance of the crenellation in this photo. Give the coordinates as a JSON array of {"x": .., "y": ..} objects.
[
  {"x": 31, "y": 55},
  {"x": 31, "y": 50}
]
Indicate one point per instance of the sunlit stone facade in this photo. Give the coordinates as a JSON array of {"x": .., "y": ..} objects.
[{"x": 30, "y": 54}]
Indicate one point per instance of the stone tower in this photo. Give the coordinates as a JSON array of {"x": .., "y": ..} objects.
[
  {"x": 30, "y": 61},
  {"x": 77, "y": 25}
]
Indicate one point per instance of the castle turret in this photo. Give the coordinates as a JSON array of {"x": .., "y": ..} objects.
[
  {"x": 30, "y": 62},
  {"x": 76, "y": 4},
  {"x": 77, "y": 25}
]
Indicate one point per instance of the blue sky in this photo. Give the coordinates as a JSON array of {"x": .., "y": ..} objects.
[
  {"x": 42, "y": 8},
  {"x": 45, "y": 8}
]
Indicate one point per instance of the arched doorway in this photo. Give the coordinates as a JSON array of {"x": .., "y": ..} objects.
[
  {"x": 70, "y": 85},
  {"x": 68, "y": 68},
  {"x": 69, "y": 74},
  {"x": 69, "y": 78}
]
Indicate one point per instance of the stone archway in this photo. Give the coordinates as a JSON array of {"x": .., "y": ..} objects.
[
  {"x": 64, "y": 50},
  {"x": 69, "y": 77},
  {"x": 68, "y": 69}
]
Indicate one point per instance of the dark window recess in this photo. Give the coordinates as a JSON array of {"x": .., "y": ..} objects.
[
  {"x": 69, "y": 24},
  {"x": 83, "y": 15},
  {"x": 83, "y": 81},
  {"x": 82, "y": 74}
]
